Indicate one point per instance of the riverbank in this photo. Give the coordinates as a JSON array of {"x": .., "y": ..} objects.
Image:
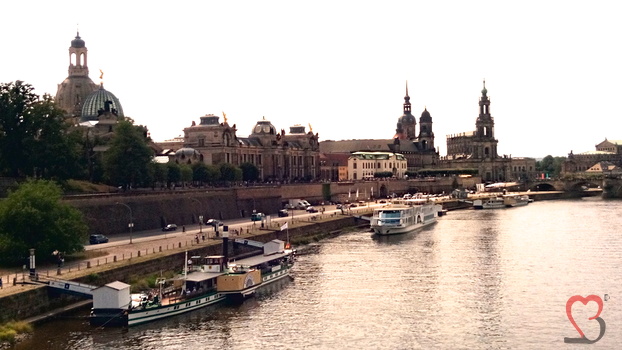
[
  {"x": 36, "y": 302},
  {"x": 127, "y": 262}
]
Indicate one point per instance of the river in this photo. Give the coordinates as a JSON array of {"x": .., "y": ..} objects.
[{"x": 487, "y": 279}]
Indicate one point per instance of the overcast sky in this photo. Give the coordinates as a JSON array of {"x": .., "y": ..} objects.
[{"x": 552, "y": 68}]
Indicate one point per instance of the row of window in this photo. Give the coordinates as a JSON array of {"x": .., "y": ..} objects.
[{"x": 370, "y": 165}]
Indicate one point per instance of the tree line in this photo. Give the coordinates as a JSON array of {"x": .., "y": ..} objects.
[{"x": 37, "y": 140}]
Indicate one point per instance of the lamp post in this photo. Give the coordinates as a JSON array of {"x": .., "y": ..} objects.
[
  {"x": 131, "y": 223},
  {"x": 199, "y": 216}
]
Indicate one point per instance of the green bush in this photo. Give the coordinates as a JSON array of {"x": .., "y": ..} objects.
[{"x": 7, "y": 335}]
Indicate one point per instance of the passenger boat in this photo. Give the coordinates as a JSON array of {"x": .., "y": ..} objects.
[
  {"x": 404, "y": 215},
  {"x": 515, "y": 200},
  {"x": 205, "y": 281},
  {"x": 489, "y": 203}
]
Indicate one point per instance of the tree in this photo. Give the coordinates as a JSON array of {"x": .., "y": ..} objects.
[
  {"x": 159, "y": 172},
  {"x": 229, "y": 172},
  {"x": 186, "y": 173},
  {"x": 213, "y": 174},
  {"x": 550, "y": 165},
  {"x": 126, "y": 162},
  {"x": 250, "y": 172},
  {"x": 174, "y": 173},
  {"x": 33, "y": 216},
  {"x": 33, "y": 140}
]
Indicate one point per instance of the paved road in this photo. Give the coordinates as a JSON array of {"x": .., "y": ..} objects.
[{"x": 235, "y": 224}]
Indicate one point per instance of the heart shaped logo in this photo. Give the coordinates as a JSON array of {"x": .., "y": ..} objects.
[{"x": 585, "y": 301}]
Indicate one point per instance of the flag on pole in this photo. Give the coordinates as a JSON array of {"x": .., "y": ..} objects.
[{"x": 284, "y": 226}]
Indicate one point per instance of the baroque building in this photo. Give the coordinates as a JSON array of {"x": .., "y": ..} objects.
[
  {"x": 363, "y": 165},
  {"x": 418, "y": 149},
  {"x": 278, "y": 155},
  {"x": 609, "y": 151},
  {"x": 72, "y": 92},
  {"x": 476, "y": 151}
]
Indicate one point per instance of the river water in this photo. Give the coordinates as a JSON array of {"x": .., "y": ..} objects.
[{"x": 488, "y": 279}]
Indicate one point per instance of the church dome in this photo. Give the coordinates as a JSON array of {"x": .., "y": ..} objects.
[
  {"x": 186, "y": 152},
  {"x": 95, "y": 103},
  {"x": 264, "y": 127},
  {"x": 425, "y": 116},
  {"x": 77, "y": 42},
  {"x": 407, "y": 119}
]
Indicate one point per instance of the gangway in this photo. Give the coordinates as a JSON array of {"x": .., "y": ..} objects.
[
  {"x": 249, "y": 242},
  {"x": 71, "y": 287}
]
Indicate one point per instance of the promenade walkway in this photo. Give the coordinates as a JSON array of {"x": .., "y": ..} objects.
[{"x": 103, "y": 256}]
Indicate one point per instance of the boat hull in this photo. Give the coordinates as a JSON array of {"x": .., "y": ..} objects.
[
  {"x": 121, "y": 317},
  {"x": 396, "y": 230},
  {"x": 266, "y": 279}
]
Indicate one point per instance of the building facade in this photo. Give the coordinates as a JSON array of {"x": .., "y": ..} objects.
[
  {"x": 364, "y": 165},
  {"x": 609, "y": 151},
  {"x": 417, "y": 148},
  {"x": 476, "y": 151},
  {"x": 279, "y": 156}
]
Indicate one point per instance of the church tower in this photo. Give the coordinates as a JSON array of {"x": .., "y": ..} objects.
[
  {"x": 426, "y": 135},
  {"x": 485, "y": 144},
  {"x": 73, "y": 90},
  {"x": 406, "y": 124}
]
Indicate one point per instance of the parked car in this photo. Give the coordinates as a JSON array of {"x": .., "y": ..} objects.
[
  {"x": 311, "y": 209},
  {"x": 283, "y": 213},
  {"x": 214, "y": 222},
  {"x": 169, "y": 227},
  {"x": 257, "y": 216},
  {"x": 96, "y": 239}
]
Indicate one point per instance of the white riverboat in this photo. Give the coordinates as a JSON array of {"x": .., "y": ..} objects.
[
  {"x": 489, "y": 203},
  {"x": 515, "y": 200},
  {"x": 404, "y": 215},
  {"x": 205, "y": 281}
]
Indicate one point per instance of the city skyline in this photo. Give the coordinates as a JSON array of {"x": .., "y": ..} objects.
[{"x": 551, "y": 69}]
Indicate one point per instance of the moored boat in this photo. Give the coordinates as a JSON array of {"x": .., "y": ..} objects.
[
  {"x": 515, "y": 200},
  {"x": 205, "y": 281},
  {"x": 489, "y": 203},
  {"x": 404, "y": 215}
]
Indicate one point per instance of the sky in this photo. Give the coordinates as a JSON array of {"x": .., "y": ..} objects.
[{"x": 553, "y": 69}]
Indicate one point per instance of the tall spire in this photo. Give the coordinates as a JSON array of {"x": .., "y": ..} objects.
[{"x": 406, "y": 100}]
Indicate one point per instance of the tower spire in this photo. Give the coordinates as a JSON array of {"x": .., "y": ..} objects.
[{"x": 406, "y": 100}]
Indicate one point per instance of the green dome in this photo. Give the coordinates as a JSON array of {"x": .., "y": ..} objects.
[{"x": 95, "y": 104}]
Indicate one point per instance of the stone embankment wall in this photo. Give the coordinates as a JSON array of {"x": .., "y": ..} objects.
[
  {"x": 34, "y": 302},
  {"x": 155, "y": 209}
]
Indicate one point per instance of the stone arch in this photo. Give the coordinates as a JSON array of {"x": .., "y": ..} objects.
[{"x": 383, "y": 191}]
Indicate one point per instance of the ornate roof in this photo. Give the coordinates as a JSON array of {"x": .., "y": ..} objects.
[
  {"x": 425, "y": 116},
  {"x": 264, "y": 127},
  {"x": 96, "y": 103},
  {"x": 78, "y": 42}
]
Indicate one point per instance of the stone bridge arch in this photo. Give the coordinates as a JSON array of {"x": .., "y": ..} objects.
[{"x": 542, "y": 186}]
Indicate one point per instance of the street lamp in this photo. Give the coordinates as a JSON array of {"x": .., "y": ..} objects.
[
  {"x": 131, "y": 223},
  {"x": 200, "y": 216}
]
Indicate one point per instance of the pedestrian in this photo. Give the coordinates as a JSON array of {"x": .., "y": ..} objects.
[
  {"x": 197, "y": 238},
  {"x": 1, "y": 283},
  {"x": 183, "y": 228}
]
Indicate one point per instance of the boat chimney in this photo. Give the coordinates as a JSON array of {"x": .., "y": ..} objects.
[{"x": 225, "y": 244}]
